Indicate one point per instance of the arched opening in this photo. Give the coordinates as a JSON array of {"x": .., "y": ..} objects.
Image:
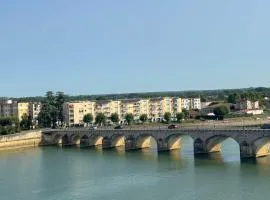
[
  {"x": 57, "y": 139},
  {"x": 175, "y": 142},
  {"x": 261, "y": 147},
  {"x": 95, "y": 141},
  {"x": 146, "y": 142},
  {"x": 118, "y": 141},
  {"x": 228, "y": 146},
  {"x": 64, "y": 140},
  {"x": 75, "y": 140},
  {"x": 84, "y": 141}
]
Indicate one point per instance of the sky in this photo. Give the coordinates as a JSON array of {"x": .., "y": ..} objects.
[{"x": 119, "y": 46}]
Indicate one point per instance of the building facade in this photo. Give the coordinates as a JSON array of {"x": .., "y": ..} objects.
[
  {"x": 74, "y": 112},
  {"x": 11, "y": 108},
  {"x": 34, "y": 110},
  {"x": 154, "y": 108},
  {"x": 191, "y": 104}
]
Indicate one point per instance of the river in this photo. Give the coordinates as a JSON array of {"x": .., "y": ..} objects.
[{"x": 55, "y": 173}]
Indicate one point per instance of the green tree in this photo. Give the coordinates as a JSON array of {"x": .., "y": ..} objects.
[
  {"x": 185, "y": 112},
  {"x": 143, "y": 118},
  {"x": 115, "y": 117},
  {"x": 59, "y": 101},
  {"x": 221, "y": 111},
  {"x": 180, "y": 116},
  {"x": 52, "y": 109},
  {"x": 24, "y": 124},
  {"x": 100, "y": 119},
  {"x": 233, "y": 98},
  {"x": 167, "y": 116},
  {"x": 88, "y": 118},
  {"x": 129, "y": 118}
]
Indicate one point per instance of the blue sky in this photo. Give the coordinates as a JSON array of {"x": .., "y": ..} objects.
[{"x": 105, "y": 46}]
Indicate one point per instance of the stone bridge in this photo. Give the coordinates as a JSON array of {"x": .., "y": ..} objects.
[{"x": 252, "y": 142}]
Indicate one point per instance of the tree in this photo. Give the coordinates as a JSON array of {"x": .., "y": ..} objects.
[
  {"x": 167, "y": 116},
  {"x": 233, "y": 98},
  {"x": 25, "y": 124},
  {"x": 100, "y": 119},
  {"x": 185, "y": 112},
  {"x": 88, "y": 118},
  {"x": 143, "y": 118},
  {"x": 221, "y": 111},
  {"x": 115, "y": 117},
  {"x": 180, "y": 116},
  {"x": 129, "y": 118},
  {"x": 52, "y": 109},
  {"x": 59, "y": 101}
]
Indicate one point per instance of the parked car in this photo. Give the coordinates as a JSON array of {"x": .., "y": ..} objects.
[
  {"x": 265, "y": 126},
  {"x": 119, "y": 127},
  {"x": 93, "y": 127},
  {"x": 172, "y": 126}
]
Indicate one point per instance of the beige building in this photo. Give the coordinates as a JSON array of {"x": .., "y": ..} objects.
[
  {"x": 159, "y": 106},
  {"x": 74, "y": 112},
  {"x": 11, "y": 108},
  {"x": 131, "y": 106},
  {"x": 23, "y": 109},
  {"x": 177, "y": 106},
  {"x": 108, "y": 107},
  {"x": 154, "y": 108}
]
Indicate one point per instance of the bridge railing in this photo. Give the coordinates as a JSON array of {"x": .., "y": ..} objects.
[{"x": 208, "y": 125}]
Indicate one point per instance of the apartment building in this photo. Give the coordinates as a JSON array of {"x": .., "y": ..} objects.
[
  {"x": 13, "y": 108},
  {"x": 74, "y": 112},
  {"x": 159, "y": 106},
  {"x": 191, "y": 103},
  {"x": 195, "y": 104},
  {"x": 23, "y": 109},
  {"x": 129, "y": 106},
  {"x": 108, "y": 107},
  {"x": 177, "y": 106},
  {"x": 34, "y": 110},
  {"x": 154, "y": 108},
  {"x": 247, "y": 105}
]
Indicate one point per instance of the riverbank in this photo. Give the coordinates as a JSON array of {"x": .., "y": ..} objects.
[{"x": 26, "y": 139}]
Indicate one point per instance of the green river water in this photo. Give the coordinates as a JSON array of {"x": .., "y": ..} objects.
[{"x": 55, "y": 173}]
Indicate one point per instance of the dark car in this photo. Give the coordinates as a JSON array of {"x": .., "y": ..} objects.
[
  {"x": 265, "y": 126},
  {"x": 172, "y": 126},
  {"x": 119, "y": 127}
]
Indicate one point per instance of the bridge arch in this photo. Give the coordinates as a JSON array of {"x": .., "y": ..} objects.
[
  {"x": 65, "y": 140},
  {"x": 75, "y": 139},
  {"x": 84, "y": 141},
  {"x": 146, "y": 141},
  {"x": 57, "y": 139},
  {"x": 95, "y": 140},
  {"x": 261, "y": 146},
  {"x": 118, "y": 140},
  {"x": 213, "y": 144},
  {"x": 174, "y": 141}
]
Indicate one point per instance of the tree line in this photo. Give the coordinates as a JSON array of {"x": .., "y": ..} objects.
[{"x": 205, "y": 95}]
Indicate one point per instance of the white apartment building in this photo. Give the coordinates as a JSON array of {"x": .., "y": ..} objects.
[
  {"x": 191, "y": 103},
  {"x": 34, "y": 109}
]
